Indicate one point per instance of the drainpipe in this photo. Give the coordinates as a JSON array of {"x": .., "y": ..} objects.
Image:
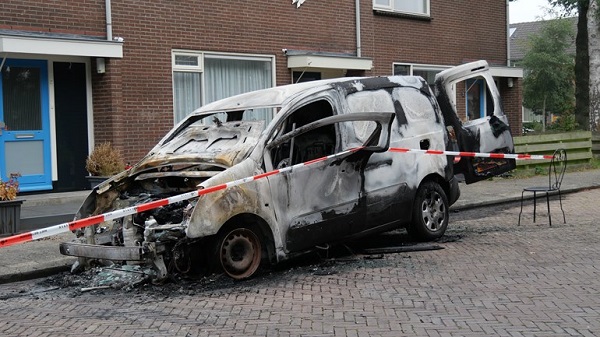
[
  {"x": 507, "y": 34},
  {"x": 109, "y": 36},
  {"x": 358, "y": 46}
]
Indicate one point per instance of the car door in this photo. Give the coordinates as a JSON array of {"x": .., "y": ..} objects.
[
  {"x": 472, "y": 109},
  {"x": 323, "y": 200}
]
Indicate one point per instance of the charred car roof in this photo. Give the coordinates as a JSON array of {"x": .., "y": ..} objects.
[{"x": 277, "y": 96}]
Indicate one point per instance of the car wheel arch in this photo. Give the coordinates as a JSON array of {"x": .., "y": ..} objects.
[
  {"x": 415, "y": 228},
  {"x": 436, "y": 178},
  {"x": 257, "y": 222}
]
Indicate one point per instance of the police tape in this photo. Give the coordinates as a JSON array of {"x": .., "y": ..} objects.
[
  {"x": 96, "y": 219},
  {"x": 473, "y": 154}
]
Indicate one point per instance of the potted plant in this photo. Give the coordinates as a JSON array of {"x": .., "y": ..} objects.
[
  {"x": 104, "y": 162},
  {"x": 10, "y": 207}
]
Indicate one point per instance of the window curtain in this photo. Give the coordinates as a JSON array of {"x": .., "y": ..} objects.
[
  {"x": 22, "y": 101},
  {"x": 415, "y": 6},
  {"x": 224, "y": 77},
  {"x": 187, "y": 93}
]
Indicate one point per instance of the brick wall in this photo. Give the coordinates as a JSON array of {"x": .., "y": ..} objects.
[
  {"x": 109, "y": 115},
  {"x": 152, "y": 30},
  {"x": 133, "y": 103},
  {"x": 458, "y": 32},
  {"x": 86, "y": 17},
  {"x": 511, "y": 100}
]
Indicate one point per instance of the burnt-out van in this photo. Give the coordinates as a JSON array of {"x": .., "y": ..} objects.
[{"x": 318, "y": 152}]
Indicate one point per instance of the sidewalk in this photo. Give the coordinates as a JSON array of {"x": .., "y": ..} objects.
[
  {"x": 42, "y": 258},
  {"x": 498, "y": 190},
  {"x": 43, "y": 210}
]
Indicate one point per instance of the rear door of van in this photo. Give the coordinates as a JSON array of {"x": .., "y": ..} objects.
[{"x": 473, "y": 114}]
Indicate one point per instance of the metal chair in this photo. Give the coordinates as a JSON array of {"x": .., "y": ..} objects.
[{"x": 556, "y": 172}]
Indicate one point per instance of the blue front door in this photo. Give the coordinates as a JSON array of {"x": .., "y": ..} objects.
[{"x": 25, "y": 124}]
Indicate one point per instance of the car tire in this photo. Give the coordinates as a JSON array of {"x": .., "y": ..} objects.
[
  {"x": 239, "y": 252},
  {"x": 430, "y": 213}
]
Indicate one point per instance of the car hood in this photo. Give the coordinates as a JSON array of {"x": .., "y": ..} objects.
[
  {"x": 225, "y": 145},
  {"x": 192, "y": 155}
]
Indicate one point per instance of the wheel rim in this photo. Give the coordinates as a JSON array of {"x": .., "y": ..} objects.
[
  {"x": 240, "y": 253},
  {"x": 433, "y": 211}
]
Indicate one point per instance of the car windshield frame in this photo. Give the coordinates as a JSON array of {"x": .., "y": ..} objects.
[{"x": 232, "y": 116}]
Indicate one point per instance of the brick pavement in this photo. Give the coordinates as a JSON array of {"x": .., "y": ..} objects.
[{"x": 492, "y": 278}]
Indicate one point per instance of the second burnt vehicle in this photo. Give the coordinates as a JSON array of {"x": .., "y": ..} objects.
[{"x": 279, "y": 216}]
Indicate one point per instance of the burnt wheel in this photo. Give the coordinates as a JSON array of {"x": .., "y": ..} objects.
[
  {"x": 430, "y": 213},
  {"x": 239, "y": 253}
]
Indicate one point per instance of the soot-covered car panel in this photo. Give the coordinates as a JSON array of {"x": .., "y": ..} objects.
[
  {"x": 293, "y": 207},
  {"x": 486, "y": 127}
]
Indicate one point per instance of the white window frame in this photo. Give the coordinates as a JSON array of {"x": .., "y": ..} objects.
[
  {"x": 390, "y": 8},
  {"x": 200, "y": 67},
  {"x": 418, "y": 66},
  {"x": 426, "y": 67},
  {"x": 410, "y": 68}
]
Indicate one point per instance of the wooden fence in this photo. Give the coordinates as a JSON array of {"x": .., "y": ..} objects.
[
  {"x": 577, "y": 144},
  {"x": 596, "y": 144}
]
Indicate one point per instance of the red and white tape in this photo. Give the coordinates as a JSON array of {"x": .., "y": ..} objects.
[
  {"x": 472, "y": 154},
  {"x": 93, "y": 220},
  {"x": 96, "y": 219}
]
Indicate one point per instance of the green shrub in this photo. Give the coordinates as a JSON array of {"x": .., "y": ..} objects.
[
  {"x": 535, "y": 126},
  {"x": 565, "y": 123}
]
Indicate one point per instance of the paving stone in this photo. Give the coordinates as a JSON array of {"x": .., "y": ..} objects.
[{"x": 492, "y": 278}]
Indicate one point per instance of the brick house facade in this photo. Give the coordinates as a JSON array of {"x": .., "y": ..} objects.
[{"x": 131, "y": 92}]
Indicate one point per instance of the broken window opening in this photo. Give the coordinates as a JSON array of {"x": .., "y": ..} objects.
[
  {"x": 310, "y": 145},
  {"x": 478, "y": 99},
  {"x": 257, "y": 114}
]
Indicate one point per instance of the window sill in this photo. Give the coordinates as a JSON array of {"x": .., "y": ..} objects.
[{"x": 402, "y": 15}]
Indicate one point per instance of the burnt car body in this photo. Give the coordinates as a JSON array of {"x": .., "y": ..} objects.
[{"x": 282, "y": 215}]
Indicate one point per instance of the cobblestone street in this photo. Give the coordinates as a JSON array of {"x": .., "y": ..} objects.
[{"x": 492, "y": 278}]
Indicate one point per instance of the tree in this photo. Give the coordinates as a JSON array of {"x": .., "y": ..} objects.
[
  {"x": 593, "y": 18},
  {"x": 549, "y": 70},
  {"x": 587, "y": 109}
]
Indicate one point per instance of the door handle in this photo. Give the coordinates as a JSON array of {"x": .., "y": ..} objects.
[{"x": 24, "y": 136}]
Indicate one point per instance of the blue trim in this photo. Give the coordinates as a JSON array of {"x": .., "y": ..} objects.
[
  {"x": 34, "y": 182},
  {"x": 482, "y": 96}
]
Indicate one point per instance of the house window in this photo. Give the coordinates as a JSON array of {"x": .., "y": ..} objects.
[
  {"x": 200, "y": 78},
  {"x": 412, "y": 7},
  {"x": 402, "y": 69},
  {"x": 428, "y": 72}
]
